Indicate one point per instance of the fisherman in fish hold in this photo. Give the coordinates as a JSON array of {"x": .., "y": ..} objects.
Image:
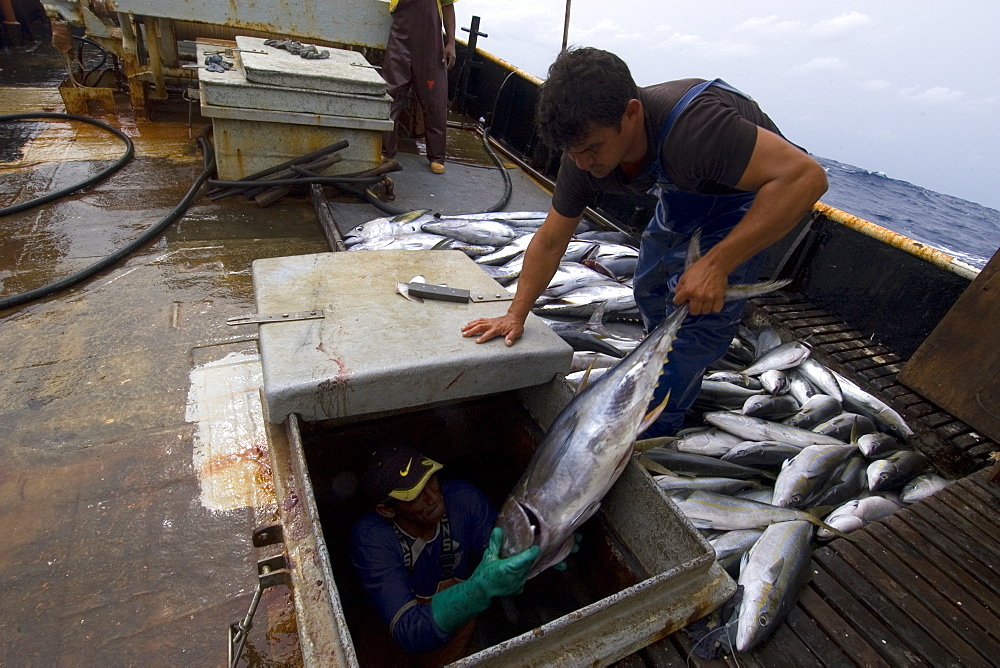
[
  {"x": 717, "y": 164},
  {"x": 417, "y": 57},
  {"x": 428, "y": 554}
]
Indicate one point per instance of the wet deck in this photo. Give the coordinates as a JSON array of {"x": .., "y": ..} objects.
[{"x": 128, "y": 504}]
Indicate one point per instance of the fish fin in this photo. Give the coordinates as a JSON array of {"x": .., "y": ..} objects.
[
  {"x": 694, "y": 249},
  {"x": 596, "y": 322},
  {"x": 652, "y": 416},
  {"x": 854, "y": 433},
  {"x": 820, "y": 523},
  {"x": 652, "y": 466},
  {"x": 650, "y": 443},
  {"x": 774, "y": 570},
  {"x": 586, "y": 376},
  {"x": 734, "y": 292}
]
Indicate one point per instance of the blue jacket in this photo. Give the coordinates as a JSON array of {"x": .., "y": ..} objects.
[{"x": 378, "y": 558}]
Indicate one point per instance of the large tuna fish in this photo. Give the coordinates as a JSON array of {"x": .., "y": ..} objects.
[
  {"x": 590, "y": 442},
  {"x": 583, "y": 453}
]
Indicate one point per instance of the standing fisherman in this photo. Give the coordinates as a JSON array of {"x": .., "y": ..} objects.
[
  {"x": 718, "y": 165},
  {"x": 416, "y": 56}
]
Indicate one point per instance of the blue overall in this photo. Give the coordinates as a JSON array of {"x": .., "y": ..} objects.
[{"x": 701, "y": 339}]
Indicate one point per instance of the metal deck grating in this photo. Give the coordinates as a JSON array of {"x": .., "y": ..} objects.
[{"x": 921, "y": 587}]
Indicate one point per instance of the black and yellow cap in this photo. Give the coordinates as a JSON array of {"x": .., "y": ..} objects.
[{"x": 398, "y": 472}]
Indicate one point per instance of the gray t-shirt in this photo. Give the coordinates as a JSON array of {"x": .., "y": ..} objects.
[{"x": 706, "y": 151}]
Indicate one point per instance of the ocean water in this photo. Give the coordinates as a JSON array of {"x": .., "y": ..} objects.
[{"x": 965, "y": 230}]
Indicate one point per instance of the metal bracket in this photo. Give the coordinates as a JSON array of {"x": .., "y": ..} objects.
[
  {"x": 444, "y": 293},
  {"x": 261, "y": 319},
  {"x": 270, "y": 572}
]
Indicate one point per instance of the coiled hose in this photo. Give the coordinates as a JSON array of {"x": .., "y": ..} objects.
[{"x": 208, "y": 161}]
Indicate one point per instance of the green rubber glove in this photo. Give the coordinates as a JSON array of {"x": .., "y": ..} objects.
[{"x": 494, "y": 576}]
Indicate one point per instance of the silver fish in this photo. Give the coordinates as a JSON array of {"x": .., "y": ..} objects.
[
  {"x": 805, "y": 475},
  {"x": 821, "y": 377},
  {"x": 895, "y": 470},
  {"x": 414, "y": 241},
  {"x": 799, "y": 387},
  {"x": 759, "y": 494},
  {"x": 480, "y": 232},
  {"x": 730, "y": 547},
  {"x": 767, "y": 340},
  {"x": 857, "y": 513},
  {"x": 770, "y": 406},
  {"x": 724, "y": 394},
  {"x": 817, "y": 409},
  {"x": 583, "y": 360},
  {"x": 850, "y": 481},
  {"x": 775, "y": 381},
  {"x": 584, "y": 301},
  {"x": 844, "y": 425},
  {"x": 784, "y": 356},
  {"x": 772, "y": 573},
  {"x": 922, "y": 486},
  {"x": 583, "y": 453},
  {"x": 756, "y": 429},
  {"x": 761, "y": 454},
  {"x": 708, "y": 510},
  {"x": 507, "y": 252},
  {"x": 877, "y": 445},
  {"x": 710, "y": 442},
  {"x": 380, "y": 227},
  {"x": 570, "y": 276},
  {"x": 517, "y": 218},
  {"x": 711, "y": 484},
  {"x": 859, "y": 401},
  {"x": 735, "y": 378}
]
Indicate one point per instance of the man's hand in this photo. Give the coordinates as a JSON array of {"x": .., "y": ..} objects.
[
  {"x": 703, "y": 287},
  {"x": 507, "y": 326},
  {"x": 449, "y": 55}
]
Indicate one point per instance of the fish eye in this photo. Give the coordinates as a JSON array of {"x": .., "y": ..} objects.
[
  {"x": 796, "y": 498},
  {"x": 763, "y": 620}
]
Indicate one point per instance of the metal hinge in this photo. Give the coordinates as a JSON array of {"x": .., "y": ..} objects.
[{"x": 261, "y": 318}]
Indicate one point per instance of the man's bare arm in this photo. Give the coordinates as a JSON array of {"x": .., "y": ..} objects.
[
  {"x": 541, "y": 260},
  {"x": 788, "y": 183},
  {"x": 448, "y": 19}
]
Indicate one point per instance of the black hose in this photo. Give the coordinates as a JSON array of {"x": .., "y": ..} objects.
[
  {"x": 130, "y": 149},
  {"x": 263, "y": 183},
  {"x": 208, "y": 161}
]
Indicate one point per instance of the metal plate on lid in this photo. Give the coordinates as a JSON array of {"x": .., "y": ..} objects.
[
  {"x": 375, "y": 351},
  {"x": 343, "y": 72}
]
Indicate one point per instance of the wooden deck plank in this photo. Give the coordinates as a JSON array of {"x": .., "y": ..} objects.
[
  {"x": 958, "y": 553},
  {"x": 986, "y": 492},
  {"x": 910, "y": 634},
  {"x": 824, "y": 649},
  {"x": 933, "y": 597},
  {"x": 915, "y": 544},
  {"x": 909, "y": 608},
  {"x": 836, "y": 628},
  {"x": 880, "y": 637},
  {"x": 961, "y": 532},
  {"x": 970, "y": 509},
  {"x": 784, "y": 648}
]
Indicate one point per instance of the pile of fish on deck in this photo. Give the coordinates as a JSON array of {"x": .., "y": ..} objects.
[
  {"x": 789, "y": 445},
  {"x": 596, "y": 269}
]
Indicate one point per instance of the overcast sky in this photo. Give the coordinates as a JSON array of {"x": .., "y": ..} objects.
[{"x": 907, "y": 88}]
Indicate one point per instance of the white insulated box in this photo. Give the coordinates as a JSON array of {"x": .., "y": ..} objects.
[{"x": 259, "y": 125}]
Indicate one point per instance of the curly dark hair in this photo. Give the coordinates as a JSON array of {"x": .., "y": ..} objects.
[{"x": 586, "y": 87}]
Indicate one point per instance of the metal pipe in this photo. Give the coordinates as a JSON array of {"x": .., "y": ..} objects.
[
  {"x": 566, "y": 27},
  {"x": 923, "y": 251}
]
